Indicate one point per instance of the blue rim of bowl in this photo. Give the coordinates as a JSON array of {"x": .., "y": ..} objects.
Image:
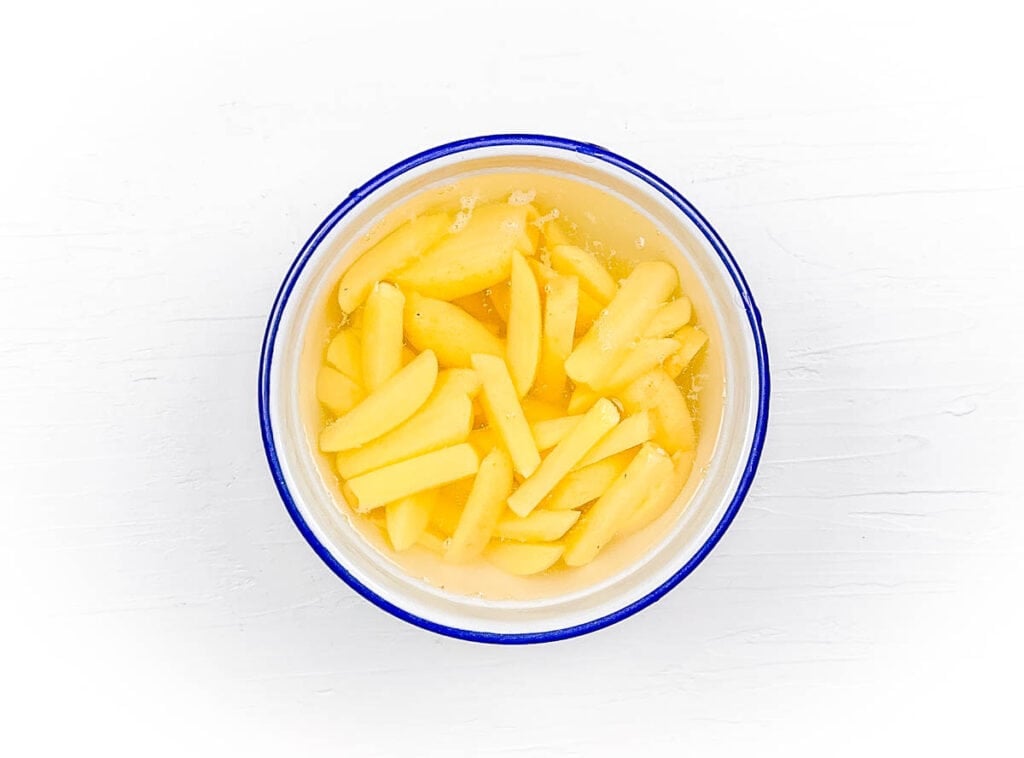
[{"x": 505, "y": 140}]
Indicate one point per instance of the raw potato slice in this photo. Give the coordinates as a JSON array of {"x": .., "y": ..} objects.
[
  {"x": 475, "y": 258},
  {"x": 392, "y": 253},
  {"x": 486, "y": 501},
  {"x": 523, "y": 559},
  {"x": 448, "y": 330},
  {"x": 407, "y": 519},
  {"x": 662, "y": 495},
  {"x": 582, "y": 399},
  {"x": 400, "y": 480},
  {"x": 523, "y": 338},
  {"x": 382, "y": 335},
  {"x": 444, "y": 420},
  {"x": 550, "y": 432},
  {"x": 337, "y": 392},
  {"x": 583, "y": 485},
  {"x": 691, "y": 340},
  {"x": 632, "y": 431},
  {"x": 555, "y": 234},
  {"x": 639, "y": 359},
  {"x": 464, "y": 380},
  {"x": 594, "y": 277},
  {"x": 391, "y": 404},
  {"x": 345, "y": 354},
  {"x": 505, "y": 414},
  {"x": 561, "y": 304},
  {"x": 540, "y": 526},
  {"x": 431, "y": 541},
  {"x": 566, "y": 454},
  {"x": 669, "y": 318},
  {"x": 599, "y": 524},
  {"x": 596, "y": 356},
  {"x": 656, "y": 391}
]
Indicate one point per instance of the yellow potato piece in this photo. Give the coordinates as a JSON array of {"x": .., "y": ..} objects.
[
  {"x": 555, "y": 234},
  {"x": 448, "y": 330},
  {"x": 656, "y": 391},
  {"x": 523, "y": 337},
  {"x": 523, "y": 558},
  {"x": 639, "y": 359},
  {"x": 539, "y": 410},
  {"x": 337, "y": 392},
  {"x": 407, "y": 519},
  {"x": 565, "y": 455},
  {"x": 345, "y": 354},
  {"x": 661, "y": 495},
  {"x": 582, "y": 399},
  {"x": 631, "y": 431},
  {"x": 600, "y": 523},
  {"x": 486, "y": 501},
  {"x": 444, "y": 420},
  {"x": 589, "y": 483},
  {"x": 392, "y": 253},
  {"x": 464, "y": 380},
  {"x": 391, "y": 404},
  {"x": 691, "y": 340},
  {"x": 505, "y": 414},
  {"x": 561, "y": 304},
  {"x": 475, "y": 258},
  {"x": 550, "y": 432},
  {"x": 382, "y": 335},
  {"x": 400, "y": 480},
  {"x": 597, "y": 355},
  {"x": 669, "y": 318},
  {"x": 540, "y": 526},
  {"x": 432, "y": 541},
  {"x": 594, "y": 277}
]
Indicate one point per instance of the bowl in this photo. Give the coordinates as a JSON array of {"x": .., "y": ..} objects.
[{"x": 705, "y": 509}]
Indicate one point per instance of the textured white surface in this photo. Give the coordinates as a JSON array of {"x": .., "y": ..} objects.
[{"x": 162, "y": 167}]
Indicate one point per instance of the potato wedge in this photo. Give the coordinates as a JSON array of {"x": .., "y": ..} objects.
[
  {"x": 449, "y": 331},
  {"x": 392, "y": 253},
  {"x": 444, "y": 420},
  {"x": 561, "y": 304},
  {"x": 464, "y": 380},
  {"x": 600, "y": 523},
  {"x": 592, "y": 274},
  {"x": 382, "y": 335},
  {"x": 523, "y": 558},
  {"x": 345, "y": 354},
  {"x": 484, "y": 506},
  {"x": 391, "y": 404},
  {"x": 477, "y": 257},
  {"x": 589, "y": 483},
  {"x": 631, "y": 431},
  {"x": 691, "y": 340},
  {"x": 407, "y": 519},
  {"x": 582, "y": 399},
  {"x": 550, "y": 432},
  {"x": 555, "y": 233},
  {"x": 640, "y": 358},
  {"x": 656, "y": 391},
  {"x": 425, "y": 472},
  {"x": 566, "y": 454},
  {"x": 661, "y": 495},
  {"x": 540, "y": 526},
  {"x": 524, "y": 326},
  {"x": 337, "y": 392},
  {"x": 590, "y": 311},
  {"x": 504, "y": 412},
  {"x": 432, "y": 541},
  {"x": 669, "y": 318},
  {"x": 597, "y": 355}
]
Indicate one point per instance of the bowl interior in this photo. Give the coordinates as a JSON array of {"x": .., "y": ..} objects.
[{"x": 489, "y": 604}]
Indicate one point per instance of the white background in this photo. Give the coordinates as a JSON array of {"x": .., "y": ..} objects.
[{"x": 162, "y": 164}]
